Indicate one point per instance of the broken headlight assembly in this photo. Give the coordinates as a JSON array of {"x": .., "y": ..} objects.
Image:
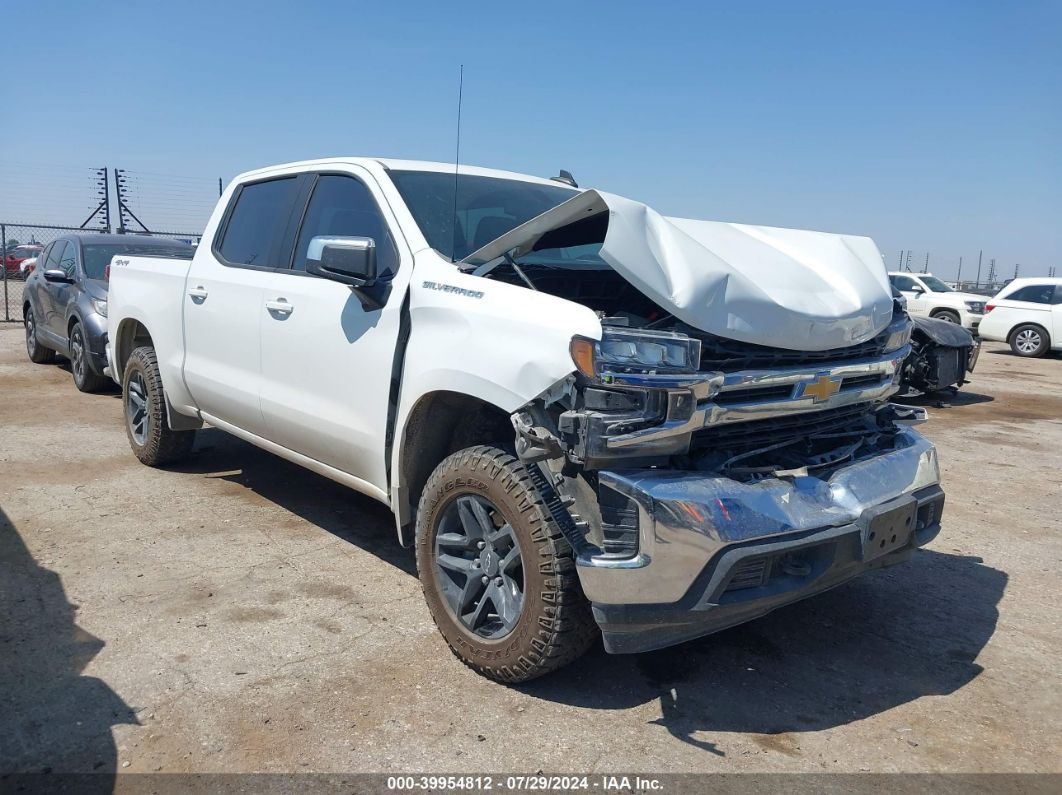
[
  {"x": 639, "y": 352},
  {"x": 899, "y": 335}
]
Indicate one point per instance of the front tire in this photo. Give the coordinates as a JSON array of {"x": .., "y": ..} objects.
[
  {"x": 144, "y": 407},
  {"x": 498, "y": 575},
  {"x": 38, "y": 354},
  {"x": 1029, "y": 340},
  {"x": 85, "y": 378},
  {"x": 948, "y": 316}
]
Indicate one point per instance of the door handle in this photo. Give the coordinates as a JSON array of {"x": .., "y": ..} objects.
[
  {"x": 281, "y": 305},
  {"x": 198, "y": 292}
]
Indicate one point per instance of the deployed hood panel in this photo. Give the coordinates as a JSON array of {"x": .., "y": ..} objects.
[{"x": 784, "y": 288}]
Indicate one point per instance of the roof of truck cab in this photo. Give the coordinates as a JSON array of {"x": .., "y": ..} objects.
[{"x": 393, "y": 164}]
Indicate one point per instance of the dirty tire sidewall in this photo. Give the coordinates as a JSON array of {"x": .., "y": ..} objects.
[
  {"x": 1022, "y": 334},
  {"x": 555, "y": 625},
  {"x": 162, "y": 445}
]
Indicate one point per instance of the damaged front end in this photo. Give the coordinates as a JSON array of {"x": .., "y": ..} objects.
[
  {"x": 942, "y": 354},
  {"x": 704, "y": 472}
]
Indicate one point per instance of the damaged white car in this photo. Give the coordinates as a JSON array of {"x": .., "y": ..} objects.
[{"x": 588, "y": 418}]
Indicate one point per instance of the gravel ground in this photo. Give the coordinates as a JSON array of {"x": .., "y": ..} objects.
[{"x": 241, "y": 614}]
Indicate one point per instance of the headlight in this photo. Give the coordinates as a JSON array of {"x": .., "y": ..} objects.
[
  {"x": 100, "y": 305},
  {"x": 975, "y": 307},
  {"x": 635, "y": 351},
  {"x": 900, "y": 336}
]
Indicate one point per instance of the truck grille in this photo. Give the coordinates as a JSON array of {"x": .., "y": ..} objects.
[
  {"x": 743, "y": 436},
  {"x": 725, "y": 355}
]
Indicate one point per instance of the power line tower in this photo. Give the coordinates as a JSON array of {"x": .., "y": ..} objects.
[
  {"x": 992, "y": 271},
  {"x": 925, "y": 268},
  {"x": 1017, "y": 270},
  {"x": 103, "y": 209},
  {"x": 121, "y": 190}
]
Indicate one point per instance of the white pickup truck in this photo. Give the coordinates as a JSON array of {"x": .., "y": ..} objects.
[{"x": 589, "y": 419}]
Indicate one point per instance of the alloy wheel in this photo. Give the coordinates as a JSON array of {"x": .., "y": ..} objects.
[
  {"x": 77, "y": 353},
  {"x": 479, "y": 569},
  {"x": 1027, "y": 341},
  {"x": 136, "y": 409},
  {"x": 31, "y": 333}
]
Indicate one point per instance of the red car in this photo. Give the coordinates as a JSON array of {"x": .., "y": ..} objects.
[{"x": 14, "y": 256}]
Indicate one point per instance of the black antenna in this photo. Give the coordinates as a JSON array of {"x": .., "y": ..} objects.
[{"x": 457, "y": 160}]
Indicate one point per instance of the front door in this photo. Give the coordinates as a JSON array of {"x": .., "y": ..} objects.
[{"x": 327, "y": 358}]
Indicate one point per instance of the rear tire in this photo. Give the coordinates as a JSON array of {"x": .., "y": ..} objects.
[
  {"x": 1029, "y": 340},
  {"x": 144, "y": 407},
  {"x": 498, "y": 575},
  {"x": 38, "y": 354},
  {"x": 948, "y": 316},
  {"x": 85, "y": 378}
]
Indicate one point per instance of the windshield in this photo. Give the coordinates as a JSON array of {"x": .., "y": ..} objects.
[
  {"x": 98, "y": 255},
  {"x": 487, "y": 208},
  {"x": 935, "y": 285}
]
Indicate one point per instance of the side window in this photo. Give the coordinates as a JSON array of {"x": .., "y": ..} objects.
[
  {"x": 1034, "y": 293},
  {"x": 63, "y": 257},
  {"x": 902, "y": 283},
  {"x": 257, "y": 221},
  {"x": 68, "y": 259},
  {"x": 343, "y": 207},
  {"x": 56, "y": 250},
  {"x": 1058, "y": 295}
]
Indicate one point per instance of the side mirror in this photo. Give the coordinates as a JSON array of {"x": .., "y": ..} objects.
[
  {"x": 57, "y": 276},
  {"x": 918, "y": 289},
  {"x": 348, "y": 260}
]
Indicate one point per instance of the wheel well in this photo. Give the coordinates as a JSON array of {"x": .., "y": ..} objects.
[
  {"x": 940, "y": 310},
  {"x": 440, "y": 424},
  {"x": 70, "y": 324},
  {"x": 25, "y": 308},
  {"x": 1043, "y": 330},
  {"x": 131, "y": 335}
]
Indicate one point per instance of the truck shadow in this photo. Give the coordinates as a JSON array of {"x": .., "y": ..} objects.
[
  {"x": 52, "y": 717},
  {"x": 944, "y": 399},
  {"x": 344, "y": 513},
  {"x": 883, "y": 640}
]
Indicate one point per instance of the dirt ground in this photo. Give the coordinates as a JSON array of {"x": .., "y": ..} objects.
[{"x": 241, "y": 614}]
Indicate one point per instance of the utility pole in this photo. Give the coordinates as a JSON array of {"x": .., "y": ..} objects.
[
  {"x": 120, "y": 190},
  {"x": 978, "y": 282},
  {"x": 1017, "y": 269},
  {"x": 219, "y": 187},
  {"x": 958, "y": 279},
  {"x": 103, "y": 209},
  {"x": 925, "y": 268}
]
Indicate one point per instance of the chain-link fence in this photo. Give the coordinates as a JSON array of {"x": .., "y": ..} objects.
[{"x": 21, "y": 243}]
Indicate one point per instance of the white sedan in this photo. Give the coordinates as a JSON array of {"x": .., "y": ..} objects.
[{"x": 1027, "y": 313}]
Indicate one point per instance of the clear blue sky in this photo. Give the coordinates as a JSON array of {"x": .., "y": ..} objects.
[{"x": 928, "y": 125}]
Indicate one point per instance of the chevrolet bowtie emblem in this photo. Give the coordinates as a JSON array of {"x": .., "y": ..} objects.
[{"x": 822, "y": 388}]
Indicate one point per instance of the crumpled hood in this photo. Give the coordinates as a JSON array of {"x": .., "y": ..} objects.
[{"x": 785, "y": 288}]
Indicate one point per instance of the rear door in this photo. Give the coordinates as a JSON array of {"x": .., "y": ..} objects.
[
  {"x": 223, "y": 302},
  {"x": 1030, "y": 303},
  {"x": 326, "y": 357}
]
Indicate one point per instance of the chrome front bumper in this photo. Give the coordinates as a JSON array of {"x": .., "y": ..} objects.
[{"x": 686, "y": 520}]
